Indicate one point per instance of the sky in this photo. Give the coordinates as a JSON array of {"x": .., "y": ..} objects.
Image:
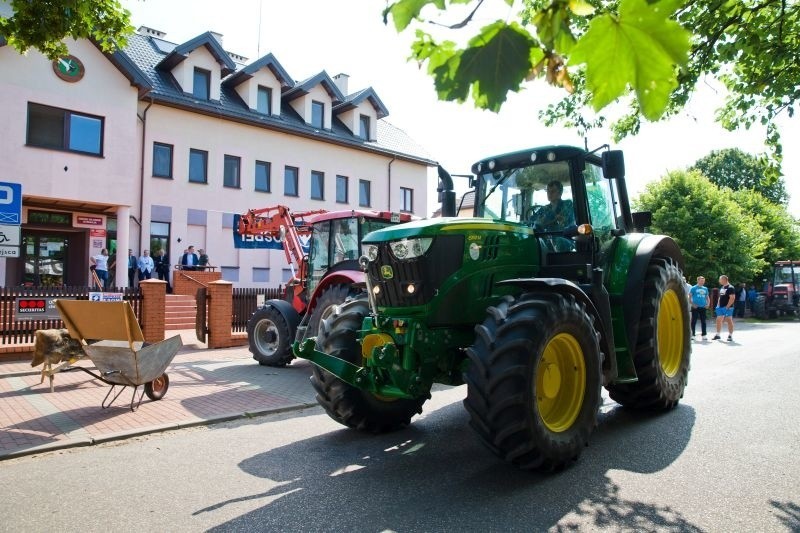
[{"x": 349, "y": 36}]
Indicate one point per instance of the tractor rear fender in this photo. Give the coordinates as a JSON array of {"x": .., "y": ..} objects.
[
  {"x": 288, "y": 312},
  {"x": 563, "y": 286},
  {"x": 631, "y": 301},
  {"x": 354, "y": 278}
]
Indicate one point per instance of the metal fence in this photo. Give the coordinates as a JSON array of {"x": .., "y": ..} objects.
[
  {"x": 14, "y": 331},
  {"x": 245, "y": 303}
]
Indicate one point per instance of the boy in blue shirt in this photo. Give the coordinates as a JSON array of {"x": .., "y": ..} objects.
[{"x": 699, "y": 299}]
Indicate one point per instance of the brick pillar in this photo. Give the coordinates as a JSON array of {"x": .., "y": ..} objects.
[
  {"x": 154, "y": 300},
  {"x": 220, "y": 311}
]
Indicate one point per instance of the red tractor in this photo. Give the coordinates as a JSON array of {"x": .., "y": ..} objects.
[
  {"x": 783, "y": 293},
  {"x": 325, "y": 276}
]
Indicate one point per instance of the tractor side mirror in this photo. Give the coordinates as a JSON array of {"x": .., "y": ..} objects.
[
  {"x": 641, "y": 220},
  {"x": 613, "y": 164}
]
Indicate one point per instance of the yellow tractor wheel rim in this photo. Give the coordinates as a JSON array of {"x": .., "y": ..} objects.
[
  {"x": 560, "y": 382},
  {"x": 671, "y": 329}
]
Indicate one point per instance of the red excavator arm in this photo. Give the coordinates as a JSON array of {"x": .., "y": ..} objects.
[{"x": 280, "y": 223}]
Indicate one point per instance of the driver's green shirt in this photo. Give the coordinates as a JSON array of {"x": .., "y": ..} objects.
[{"x": 550, "y": 218}]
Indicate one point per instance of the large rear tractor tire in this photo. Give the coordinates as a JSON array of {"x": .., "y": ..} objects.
[
  {"x": 663, "y": 351},
  {"x": 760, "y": 307},
  {"x": 270, "y": 337},
  {"x": 348, "y": 405},
  {"x": 534, "y": 380}
]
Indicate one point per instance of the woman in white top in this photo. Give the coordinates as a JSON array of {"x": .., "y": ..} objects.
[{"x": 100, "y": 263}]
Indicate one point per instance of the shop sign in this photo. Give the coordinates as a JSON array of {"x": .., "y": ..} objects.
[
  {"x": 97, "y": 232},
  {"x": 88, "y": 221}
]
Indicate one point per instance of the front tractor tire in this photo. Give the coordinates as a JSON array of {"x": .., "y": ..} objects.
[
  {"x": 663, "y": 351},
  {"x": 534, "y": 380},
  {"x": 338, "y": 335},
  {"x": 270, "y": 337},
  {"x": 324, "y": 306}
]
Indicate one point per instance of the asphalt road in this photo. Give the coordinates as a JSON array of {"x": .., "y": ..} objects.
[{"x": 726, "y": 459}]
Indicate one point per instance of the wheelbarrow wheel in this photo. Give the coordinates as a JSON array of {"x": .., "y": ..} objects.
[{"x": 157, "y": 388}]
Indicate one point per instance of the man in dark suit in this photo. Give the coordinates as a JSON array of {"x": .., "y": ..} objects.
[
  {"x": 132, "y": 266},
  {"x": 161, "y": 261},
  {"x": 189, "y": 260}
]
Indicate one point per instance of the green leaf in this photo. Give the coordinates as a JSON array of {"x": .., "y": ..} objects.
[
  {"x": 640, "y": 48},
  {"x": 581, "y": 8},
  {"x": 404, "y": 11},
  {"x": 496, "y": 62}
]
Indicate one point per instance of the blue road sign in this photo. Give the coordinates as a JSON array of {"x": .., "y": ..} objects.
[{"x": 10, "y": 203}]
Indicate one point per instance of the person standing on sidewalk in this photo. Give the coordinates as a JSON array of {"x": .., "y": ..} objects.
[
  {"x": 741, "y": 300},
  {"x": 100, "y": 264},
  {"x": 146, "y": 266},
  {"x": 699, "y": 300},
  {"x": 724, "y": 309},
  {"x": 132, "y": 266}
]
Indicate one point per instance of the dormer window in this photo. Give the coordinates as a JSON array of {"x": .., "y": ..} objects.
[
  {"x": 364, "y": 124},
  {"x": 317, "y": 114},
  {"x": 201, "y": 88},
  {"x": 264, "y": 100}
]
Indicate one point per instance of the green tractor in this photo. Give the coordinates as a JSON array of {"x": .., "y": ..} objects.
[{"x": 548, "y": 294}]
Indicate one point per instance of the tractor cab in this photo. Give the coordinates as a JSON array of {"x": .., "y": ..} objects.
[{"x": 571, "y": 200}]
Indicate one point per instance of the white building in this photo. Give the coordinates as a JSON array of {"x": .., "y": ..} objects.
[{"x": 160, "y": 144}]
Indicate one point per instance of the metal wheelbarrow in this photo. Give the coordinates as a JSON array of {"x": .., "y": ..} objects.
[{"x": 113, "y": 340}]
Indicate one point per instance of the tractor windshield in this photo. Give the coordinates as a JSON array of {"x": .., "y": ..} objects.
[
  {"x": 784, "y": 275},
  {"x": 539, "y": 195}
]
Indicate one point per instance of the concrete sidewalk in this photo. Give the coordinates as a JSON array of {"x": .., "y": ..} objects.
[{"x": 206, "y": 386}]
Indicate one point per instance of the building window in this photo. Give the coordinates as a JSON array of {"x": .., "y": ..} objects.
[
  {"x": 230, "y": 273},
  {"x": 159, "y": 237},
  {"x": 318, "y": 114},
  {"x": 406, "y": 199},
  {"x": 341, "y": 189},
  {"x": 201, "y": 89},
  {"x": 264, "y": 100},
  {"x": 162, "y": 160},
  {"x": 364, "y": 193},
  {"x": 61, "y": 129},
  {"x": 263, "y": 175},
  {"x": 363, "y": 130},
  {"x": 317, "y": 185},
  {"x": 290, "y": 175},
  {"x": 232, "y": 177},
  {"x": 198, "y": 166},
  {"x": 260, "y": 275}
]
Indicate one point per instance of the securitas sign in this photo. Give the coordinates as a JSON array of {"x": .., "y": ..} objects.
[
  {"x": 262, "y": 241},
  {"x": 37, "y": 308}
]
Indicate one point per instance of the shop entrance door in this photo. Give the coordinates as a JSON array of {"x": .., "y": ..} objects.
[{"x": 45, "y": 259}]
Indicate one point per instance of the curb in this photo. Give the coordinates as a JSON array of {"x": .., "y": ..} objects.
[{"x": 122, "y": 435}]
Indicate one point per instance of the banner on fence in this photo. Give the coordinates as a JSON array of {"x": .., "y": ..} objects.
[
  {"x": 262, "y": 241},
  {"x": 105, "y": 297},
  {"x": 37, "y": 308}
]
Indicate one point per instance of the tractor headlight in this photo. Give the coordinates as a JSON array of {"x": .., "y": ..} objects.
[
  {"x": 410, "y": 248},
  {"x": 371, "y": 251}
]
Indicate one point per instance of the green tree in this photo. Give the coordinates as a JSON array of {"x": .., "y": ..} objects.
[
  {"x": 646, "y": 54},
  {"x": 44, "y": 24},
  {"x": 778, "y": 229},
  {"x": 737, "y": 170},
  {"x": 714, "y": 233}
]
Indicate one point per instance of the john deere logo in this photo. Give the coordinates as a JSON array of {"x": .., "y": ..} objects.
[{"x": 386, "y": 272}]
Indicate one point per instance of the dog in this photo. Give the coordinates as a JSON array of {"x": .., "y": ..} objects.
[{"x": 54, "y": 346}]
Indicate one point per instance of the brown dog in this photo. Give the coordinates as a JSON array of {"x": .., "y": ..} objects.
[{"x": 53, "y": 346}]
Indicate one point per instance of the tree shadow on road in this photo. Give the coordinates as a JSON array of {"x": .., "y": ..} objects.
[{"x": 435, "y": 475}]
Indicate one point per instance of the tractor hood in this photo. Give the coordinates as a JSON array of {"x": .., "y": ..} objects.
[{"x": 437, "y": 226}]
